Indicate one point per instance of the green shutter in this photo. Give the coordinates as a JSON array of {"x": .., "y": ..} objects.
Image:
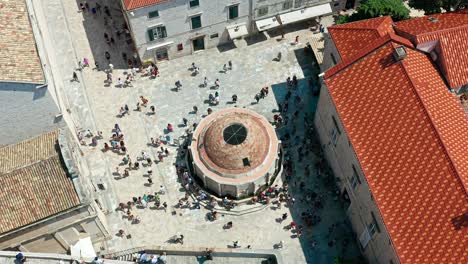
[
  {"x": 234, "y": 12},
  {"x": 150, "y": 34},
  {"x": 154, "y": 13},
  {"x": 194, "y": 3},
  {"x": 196, "y": 22}
]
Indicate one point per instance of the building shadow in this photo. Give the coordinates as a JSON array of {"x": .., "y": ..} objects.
[
  {"x": 326, "y": 234},
  {"x": 285, "y": 29},
  {"x": 254, "y": 39},
  {"x": 226, "y": 47},
  {"x": 118, "y": 43}
]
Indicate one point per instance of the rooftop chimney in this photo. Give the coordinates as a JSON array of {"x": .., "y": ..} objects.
[{"x": 399, "y": 53}]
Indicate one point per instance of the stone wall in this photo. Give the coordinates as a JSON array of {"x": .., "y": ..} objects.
[
  {"x": 175, "y": 16},
  {"x": 341, "y": 158}
]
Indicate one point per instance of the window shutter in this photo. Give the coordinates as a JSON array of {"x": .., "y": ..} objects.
[{"x": 150, "y": 34}]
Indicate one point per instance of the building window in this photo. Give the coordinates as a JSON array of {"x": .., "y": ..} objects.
[
  {"x": 194, "y": 3},
  {"x": 364, "y": 238},
  {"x": 336, "y": 125},
  {"x": 153, "y": 14},
  {"x": 374, "y": 222},
  {"x": 333, "y": 59},
  {"x": 372, "y": 229},
  {"x": 335, "y": 131},
  {"x": 180, "y": 47},
  {"x": 287, "y": 5},
  {"x": 355, "y": 178},
  {"x": 233, "y": 11},
  {"x": 298, "y": 3},
  {"x": 196, "y": 22},
  {"x": 262, "y": 11},
  {"x": 158, "y": 32},
  {"x": 215, "y": 35},
  {"x": 334, "y": 136}
]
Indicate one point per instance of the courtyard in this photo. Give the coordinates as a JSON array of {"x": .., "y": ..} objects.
[{"x": 254, "y": 66}]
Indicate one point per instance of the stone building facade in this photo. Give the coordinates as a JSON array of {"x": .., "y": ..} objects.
[
  {"x": 167, "y": 29},
  {"x": 392, "y": 146}
]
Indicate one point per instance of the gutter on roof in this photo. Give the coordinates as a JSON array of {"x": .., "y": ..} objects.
[{"x": 23, "y": 228}]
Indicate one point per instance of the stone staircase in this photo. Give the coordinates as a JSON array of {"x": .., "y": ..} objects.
[{"x": 125, "y": 255}]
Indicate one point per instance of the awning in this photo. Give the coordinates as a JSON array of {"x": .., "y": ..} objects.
[
  {"x": 237, "y": 31},
  {"x": 159, "y": 45},
  {"x": 267, "y": 23},
  {"x": 305, "y": 13},
  {"x": 83, "y": 250}
]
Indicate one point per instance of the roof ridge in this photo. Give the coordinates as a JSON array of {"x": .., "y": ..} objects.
[
  {"x": 442, "y": 30},
  {"x": 367, "y": 50},
  {"x": 29, "y": 164},
  {"x": 429, "y": 115},
  {"x": 352, "y": 28},
  {"x": 55, "y": 131}
]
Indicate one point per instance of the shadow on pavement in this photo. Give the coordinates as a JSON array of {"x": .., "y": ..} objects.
[
  {"x": 107, "y": 31},
  {"x": 226, "y": 47},
  {"x": 257, "y": 38},
  {"x": 317, "y": 216}
]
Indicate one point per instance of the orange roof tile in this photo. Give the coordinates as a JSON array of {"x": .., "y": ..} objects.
[
  {"x": 451, "y": 32},
  {"x": 134, "y": 4},
  {"x": 420, "y": 26},
  {"x": 350, "y": 38},
  {"x": 407, "y": 131}
]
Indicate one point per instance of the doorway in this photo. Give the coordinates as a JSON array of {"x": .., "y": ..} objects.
[
  {"x": 198, "y": 44},
  {"x": 350, "y": 4},
  {"x": 161, "y": 54}
]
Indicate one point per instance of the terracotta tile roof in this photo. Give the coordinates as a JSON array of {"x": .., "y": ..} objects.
[
  {"x": 27, "y": 152},
  {"x": 451, "y": 32},
  {"x": 134, "y": 4},
  {"x": 33, "y": 183},
  {"x": 19, "y": 59},
  {"x": 418, "y": 27},
  {"x": 407, "y": 131},
  {"x": 350, "y": 38}
]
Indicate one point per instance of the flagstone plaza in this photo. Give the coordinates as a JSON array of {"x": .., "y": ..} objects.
[{"x": 254, "y": 66}]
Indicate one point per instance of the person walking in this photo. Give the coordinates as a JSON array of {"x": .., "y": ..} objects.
[
  {"x": 205, "y": 82},
  {"x": 217, "y": 83},
  {"x": 225, "y": 69},
  {"x": 98, "y": 8},
  {"x": 75, "y": 77},
  {"x": 195, "y": 109},
  {"x": 185, "y": 121},
  {"x": 230, "y": 65},
  {"x": 297, "y": 40},
  {"x": 257, "y": 98}
]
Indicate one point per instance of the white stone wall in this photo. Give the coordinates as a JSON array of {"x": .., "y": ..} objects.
[
  {"x": 175, "y": 16},
  {"x": 276, "y": 7},
  {"x": 341, "y": 158},
  {"x": 56, "y": 234},
  {"x": 330, "y": 54}
]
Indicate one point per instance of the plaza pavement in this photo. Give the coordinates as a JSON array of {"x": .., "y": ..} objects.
[{"x": 98, "y": 106}]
